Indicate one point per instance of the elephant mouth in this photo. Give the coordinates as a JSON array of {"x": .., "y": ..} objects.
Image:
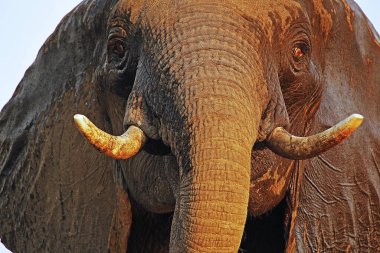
[
  {"x": 279, "y": 140},
  {"x": 136, "y": 142},
  {"x": 157, "y": 147}
]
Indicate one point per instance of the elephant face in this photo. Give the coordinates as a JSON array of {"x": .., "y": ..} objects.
[
  {"x": 204, "y": 91},
  {"x": 207, "y": 83}
]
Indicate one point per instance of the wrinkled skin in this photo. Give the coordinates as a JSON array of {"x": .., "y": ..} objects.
[{"x": 206, "y": 85}]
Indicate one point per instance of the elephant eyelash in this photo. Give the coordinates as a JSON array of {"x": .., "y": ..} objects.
[{"x": 117, "y": 32}]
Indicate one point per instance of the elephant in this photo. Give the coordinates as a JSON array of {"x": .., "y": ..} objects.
[{"x": 217, "y": 120}]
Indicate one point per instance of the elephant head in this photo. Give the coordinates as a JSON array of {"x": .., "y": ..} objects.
[
  {"x": 200, "y": 98},
  {"x": 211, "y": 82}
]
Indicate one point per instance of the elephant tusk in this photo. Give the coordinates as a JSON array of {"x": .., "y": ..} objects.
[
  {"x": 299, "y": 148},
  {"x": 118, "y": 147}
]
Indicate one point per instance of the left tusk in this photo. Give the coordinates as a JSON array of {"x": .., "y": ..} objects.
[
  {"x": 299, "y": 148},
  {"x": 118, "y": 147}
]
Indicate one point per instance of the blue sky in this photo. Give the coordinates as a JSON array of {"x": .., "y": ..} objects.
[{"x": 25, "y": 25}]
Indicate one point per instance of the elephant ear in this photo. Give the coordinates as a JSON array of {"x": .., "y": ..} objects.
[
  {"x": 339, "y": 195},
  {"x": 57, "y": 193}
]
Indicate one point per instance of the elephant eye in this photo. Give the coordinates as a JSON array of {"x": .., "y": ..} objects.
[
  {"x": 117, "y": 48},
  {"x": 299, "y": 51}
]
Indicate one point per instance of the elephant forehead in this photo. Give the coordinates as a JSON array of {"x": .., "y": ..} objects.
[
  {"x": 131, "y": 8},
  {"x": 325, "y": 17},
  {"x": 155, "y": 12}
]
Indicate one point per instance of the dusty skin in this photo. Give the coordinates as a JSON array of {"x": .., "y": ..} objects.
[{"x": 192, "y": 93}]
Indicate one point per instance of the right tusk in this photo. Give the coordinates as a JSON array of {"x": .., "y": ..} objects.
[
  {"x": 299, "y": 148},
  {"x": 118, "y": 147}
]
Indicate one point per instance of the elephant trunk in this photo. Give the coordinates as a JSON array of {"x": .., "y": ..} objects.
[
  {"x": 220, "y": 94},
  {"x": 213, "y": 198},
  {"x": 215, "y": 164}
]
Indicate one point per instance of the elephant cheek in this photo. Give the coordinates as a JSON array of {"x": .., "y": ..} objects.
[{"x": 268, "y": 190}]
